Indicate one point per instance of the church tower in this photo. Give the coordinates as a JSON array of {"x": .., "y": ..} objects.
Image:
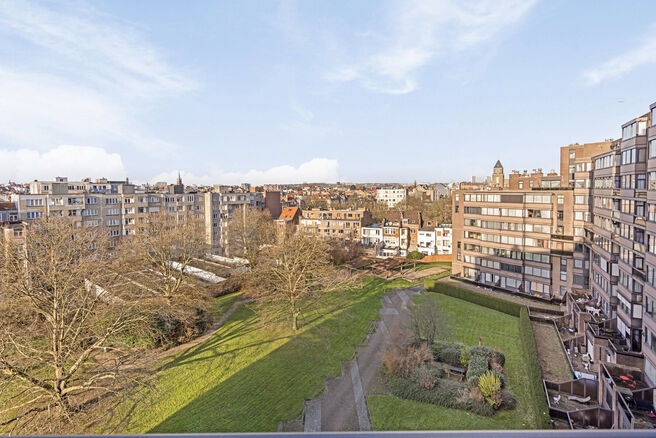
[{"x": 497, "y": 175}]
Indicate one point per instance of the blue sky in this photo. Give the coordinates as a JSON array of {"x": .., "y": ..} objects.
[{"x": 267, "y": 91}]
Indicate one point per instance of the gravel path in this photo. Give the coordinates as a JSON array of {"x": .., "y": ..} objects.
[{"x": 343, "y": 404}]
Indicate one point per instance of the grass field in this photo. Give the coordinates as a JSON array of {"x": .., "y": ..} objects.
[
  {"x": 248, "y": 376},
  {"x": 222, "y": 304},
  {"x": 467, "y": 322}
]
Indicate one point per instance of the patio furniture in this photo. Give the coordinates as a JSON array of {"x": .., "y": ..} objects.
[{"x": 579, "y": 399}]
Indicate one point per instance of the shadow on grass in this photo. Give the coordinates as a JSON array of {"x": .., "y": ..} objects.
[{"x": 273, "y": 388}]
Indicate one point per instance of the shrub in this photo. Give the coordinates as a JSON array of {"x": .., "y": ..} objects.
[
  {"x": 508, "y": 401},
  {"x": 439, "y": 346},
  {"x": 490, "y": 302},
  {"x": 403, "y": 361},
  {"x": 481, "y": 350},
  {"x": 464, "y": 358},
  {"x": 426, "y": 376},
  {"x": 415, "y": 255},
  {"x": 499, "y": 376},
  {"x": 451, "y": 356},
  {"x": 429, "y": 284},
  {"x": 478, "y": 365},
  {"x": 497, "y": 357},
  {"x": 490, "y": 387},
  {"x": 536, "y": 387}
]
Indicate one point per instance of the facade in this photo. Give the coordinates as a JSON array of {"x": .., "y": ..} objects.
[
  {"x": 335, "y": 224},
  {"x": 391, "y": 196},
  {"x": 289, "y": 219},
  {"x": 400, "y": 232},
  {"x": 443, "y": 239},
  {"x": 426, "y": 241}
]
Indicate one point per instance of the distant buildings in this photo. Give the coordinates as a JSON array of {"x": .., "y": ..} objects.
[{"x": 391, "y": 196}]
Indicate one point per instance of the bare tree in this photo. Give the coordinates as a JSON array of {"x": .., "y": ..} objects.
[
  {"x": 428, "y": 321},
  {"x": 163, "y": 247},
  {"x": 293, "y": 272},
  {"x": 162, "y": 250},
  {"x": 249, "y": 231},
  {"x": 64, "y": 325}
]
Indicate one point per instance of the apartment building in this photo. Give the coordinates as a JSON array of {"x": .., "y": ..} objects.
[
  {"x": 391, "y": 196},
  {"x": 443, "y": 239},
  {"x": 335, "y": 224},
  {"x": 118, "y": 206},
  {"x": 507, "y": 239},
  {"x": 401, "y": 232}
]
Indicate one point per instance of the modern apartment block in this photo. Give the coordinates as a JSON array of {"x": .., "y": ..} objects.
[
  {"x": 120, "y": 206},
  {"x": 335, "y": 224},
  {"x": 391, "y": 196}
]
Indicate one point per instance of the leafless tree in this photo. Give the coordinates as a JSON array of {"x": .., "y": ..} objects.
[
  {"x": 293, "y": 272},
  {"x": 249, "y": 231},
  {"x": 161, "y": 251},
  {"x": 428, "y": 320},
  {"x": 66, "y": 325}
]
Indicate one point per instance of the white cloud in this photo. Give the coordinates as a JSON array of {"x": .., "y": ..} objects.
[
  {"x": 421, "y": 31},
  {"x": 76, "y": 162},
  {"x": 645, "y": 53},
  {"x": 78, "y": 76},
  {"x": 315, "y": 170}
]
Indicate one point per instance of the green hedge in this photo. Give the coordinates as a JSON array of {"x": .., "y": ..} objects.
[
  {"x": 536, "y": 387},
  {"x": 490, "y": 302}
]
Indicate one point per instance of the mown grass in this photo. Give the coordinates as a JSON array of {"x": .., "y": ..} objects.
[
  {"x": 220, "y": 305},
  {"x": 466, "y": 323},
  {"x": 249, "y": 375}
]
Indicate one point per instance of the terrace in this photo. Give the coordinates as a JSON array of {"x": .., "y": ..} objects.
[
  {"x": 574, "y": 404},
  {"x": 633, "y": 394}
]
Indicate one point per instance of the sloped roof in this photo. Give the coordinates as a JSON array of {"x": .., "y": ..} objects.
[
  {"x": 288, "y": 213},
  {"x": 498, "y": 165}
]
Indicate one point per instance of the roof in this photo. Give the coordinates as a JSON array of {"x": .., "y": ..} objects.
[
  {"x": 7, "y": 206},
  {"x": 498, "y": 165},
  {"x": 413, "y": 217},
  {"x": 288, "y": 213}
]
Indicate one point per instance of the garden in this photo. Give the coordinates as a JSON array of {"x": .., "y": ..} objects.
[{"x": 480, "y": 371}]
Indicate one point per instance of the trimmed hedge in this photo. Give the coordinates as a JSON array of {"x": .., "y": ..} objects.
[
  {"x": 536, "y": 388},
  {"x": 488, "y": 301}
]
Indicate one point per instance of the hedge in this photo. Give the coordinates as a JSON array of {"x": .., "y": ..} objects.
[
  {"x": 488, "y": 301},
  {"x": 536, "y": 388}
]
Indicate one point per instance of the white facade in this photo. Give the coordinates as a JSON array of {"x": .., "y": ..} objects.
[
  {"x": 372, "y": 235},
  {"x": 426, "y": 241},
  {"x": 391, "y": 196},
  {"x": 443, "y": 239}
]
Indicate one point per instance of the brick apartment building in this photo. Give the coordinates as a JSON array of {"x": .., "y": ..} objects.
[{"x": 334, "y": 224}]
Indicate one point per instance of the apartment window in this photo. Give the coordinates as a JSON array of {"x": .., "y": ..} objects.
[
  {"x": 34, "y": 214},
  {"x": 521, "y": 184},
  {"x": 653, "y": 116},
  {"x": 561, "y": 199},
  {"x": 572, "y": 154},
  {"x": 652, "y": 149}
]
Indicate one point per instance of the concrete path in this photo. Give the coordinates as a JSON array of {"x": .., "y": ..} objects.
[{"x": 343, "y": 404}]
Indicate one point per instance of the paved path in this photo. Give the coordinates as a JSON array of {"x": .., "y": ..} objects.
[{"x": 343, "y": 404}]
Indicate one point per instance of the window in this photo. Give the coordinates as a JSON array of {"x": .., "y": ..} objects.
[{"x": 572, "y": 154}]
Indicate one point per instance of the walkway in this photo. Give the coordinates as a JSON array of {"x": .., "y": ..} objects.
[{"x": 343, "y": 404}]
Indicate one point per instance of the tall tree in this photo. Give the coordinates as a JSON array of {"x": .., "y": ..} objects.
[
  {"x": 64, "y": 321},
  {"x": 249, "y": 231},
  {"x": 293, "y": 272}
]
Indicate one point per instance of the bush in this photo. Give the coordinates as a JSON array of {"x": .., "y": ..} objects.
[
  {"x": 508, "y": 400},
  {"x": 415, "y": 255},
  {"x": 497, "y": 357},
  {"x": 499, "y": 376},
  {"x": 451, "y": 356},
  {"x": 464, "y": 358},
  {"x": 478, "y": 365},
  {"x": 490, "y": 302},
  {"x": 536, "y": 387},
  {"x": 439, "y": 346},
  {"x": 444, "y": 393},
  {"x": 427, "y": 375},
  {"x": 403, "y": 361},
  {"x": 429, "y": 284},
  {"x": 490, "y": 387}
]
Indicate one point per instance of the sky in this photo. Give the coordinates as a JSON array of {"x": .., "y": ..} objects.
[{"x": 314, "y": 91}]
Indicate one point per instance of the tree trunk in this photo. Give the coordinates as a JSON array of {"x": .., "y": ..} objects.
[{"x": 295, "y": 320}]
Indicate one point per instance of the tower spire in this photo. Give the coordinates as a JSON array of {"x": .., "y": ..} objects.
[{"x": 179, "y": 182}]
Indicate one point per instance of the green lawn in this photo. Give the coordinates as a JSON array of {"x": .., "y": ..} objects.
[
  {"x": 467, "y": 322},
  {"x": 222, "y": 304},
  {"x": 249, "y": 376}
]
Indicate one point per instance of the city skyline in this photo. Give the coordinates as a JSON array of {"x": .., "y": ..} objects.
[{"x": 379, "y": 92}]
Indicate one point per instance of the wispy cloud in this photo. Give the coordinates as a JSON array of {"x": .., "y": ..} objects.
[
  {"x": 644, "y": 53},
  {"x": 315, "y": 170},
  {"x": 76, "y": 162},
  {"x": 79, "y": 76},
  {"x": 422, "y": 31}
]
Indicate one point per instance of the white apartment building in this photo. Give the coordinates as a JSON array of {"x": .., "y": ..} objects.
[
  {"x": 372, "y": 235},
  {"x": 443, "y": 238},
  {"x": 426, "y": 241},
  {"x": 391, "y": 196}
]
